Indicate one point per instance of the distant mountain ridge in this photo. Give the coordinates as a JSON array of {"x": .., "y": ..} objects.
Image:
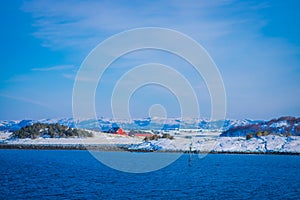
[
  {"x": 103, "y": 124},
  {"x": 231, "y": 128}
]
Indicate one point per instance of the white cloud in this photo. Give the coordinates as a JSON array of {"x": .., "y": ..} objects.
[
  {"x": 82, "y": 25},
  {"x": 54, "y": 68},
  {"x": 28, "y": 100}
]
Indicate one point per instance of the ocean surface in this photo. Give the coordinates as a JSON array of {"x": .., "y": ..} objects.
[{"x": 64, "y": 174}]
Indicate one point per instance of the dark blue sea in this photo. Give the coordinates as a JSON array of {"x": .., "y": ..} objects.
[{"x": 63, "y": 174}]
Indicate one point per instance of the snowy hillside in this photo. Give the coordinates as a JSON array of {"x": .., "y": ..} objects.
[{"x": 281, "y": 126}]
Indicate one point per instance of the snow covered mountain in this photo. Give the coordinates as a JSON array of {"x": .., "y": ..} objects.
[{"x": 142, "y": 124}]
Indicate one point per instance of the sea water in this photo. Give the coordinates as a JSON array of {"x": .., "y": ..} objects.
[{"x": 67, "y": 174}]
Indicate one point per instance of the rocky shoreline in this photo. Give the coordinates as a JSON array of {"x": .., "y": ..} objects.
[
  {"x": 100, "y": 147},
  {"x": 124, "y": 148}
]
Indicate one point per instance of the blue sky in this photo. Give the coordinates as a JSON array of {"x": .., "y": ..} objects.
[{"x": 255, "y": 44}]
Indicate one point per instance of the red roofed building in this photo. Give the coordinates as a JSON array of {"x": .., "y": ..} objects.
[
  {"x": 116, "y": 130},
  {"x": 137, "y": 133},
  {"x": 120, "y": 131}
]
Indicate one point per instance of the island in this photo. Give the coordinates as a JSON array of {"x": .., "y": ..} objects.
[{"x": 276, "y": 136}]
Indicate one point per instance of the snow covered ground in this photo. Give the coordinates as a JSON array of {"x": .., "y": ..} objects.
[
  {"x": 99, "y": 138},
  {"x": 4, "y": 135},
  {"x": 270, "y": 143}
]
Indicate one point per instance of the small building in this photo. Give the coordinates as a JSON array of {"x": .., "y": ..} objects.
[
  {"x": 142, "y": 134},
  {"x": 116, "y": 130},
  {"x": 120, "y": 131},
  {"x": 138, "y": 133}
]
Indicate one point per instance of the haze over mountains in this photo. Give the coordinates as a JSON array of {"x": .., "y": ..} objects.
[{"x": 229, "y": 127}]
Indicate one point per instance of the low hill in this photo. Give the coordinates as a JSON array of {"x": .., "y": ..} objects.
[
  {"x": 282, "y": 126},
  {"x": 49, "y": 130}
]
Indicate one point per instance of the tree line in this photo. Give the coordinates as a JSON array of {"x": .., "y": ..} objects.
[{"x": 49, "y": 130}]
